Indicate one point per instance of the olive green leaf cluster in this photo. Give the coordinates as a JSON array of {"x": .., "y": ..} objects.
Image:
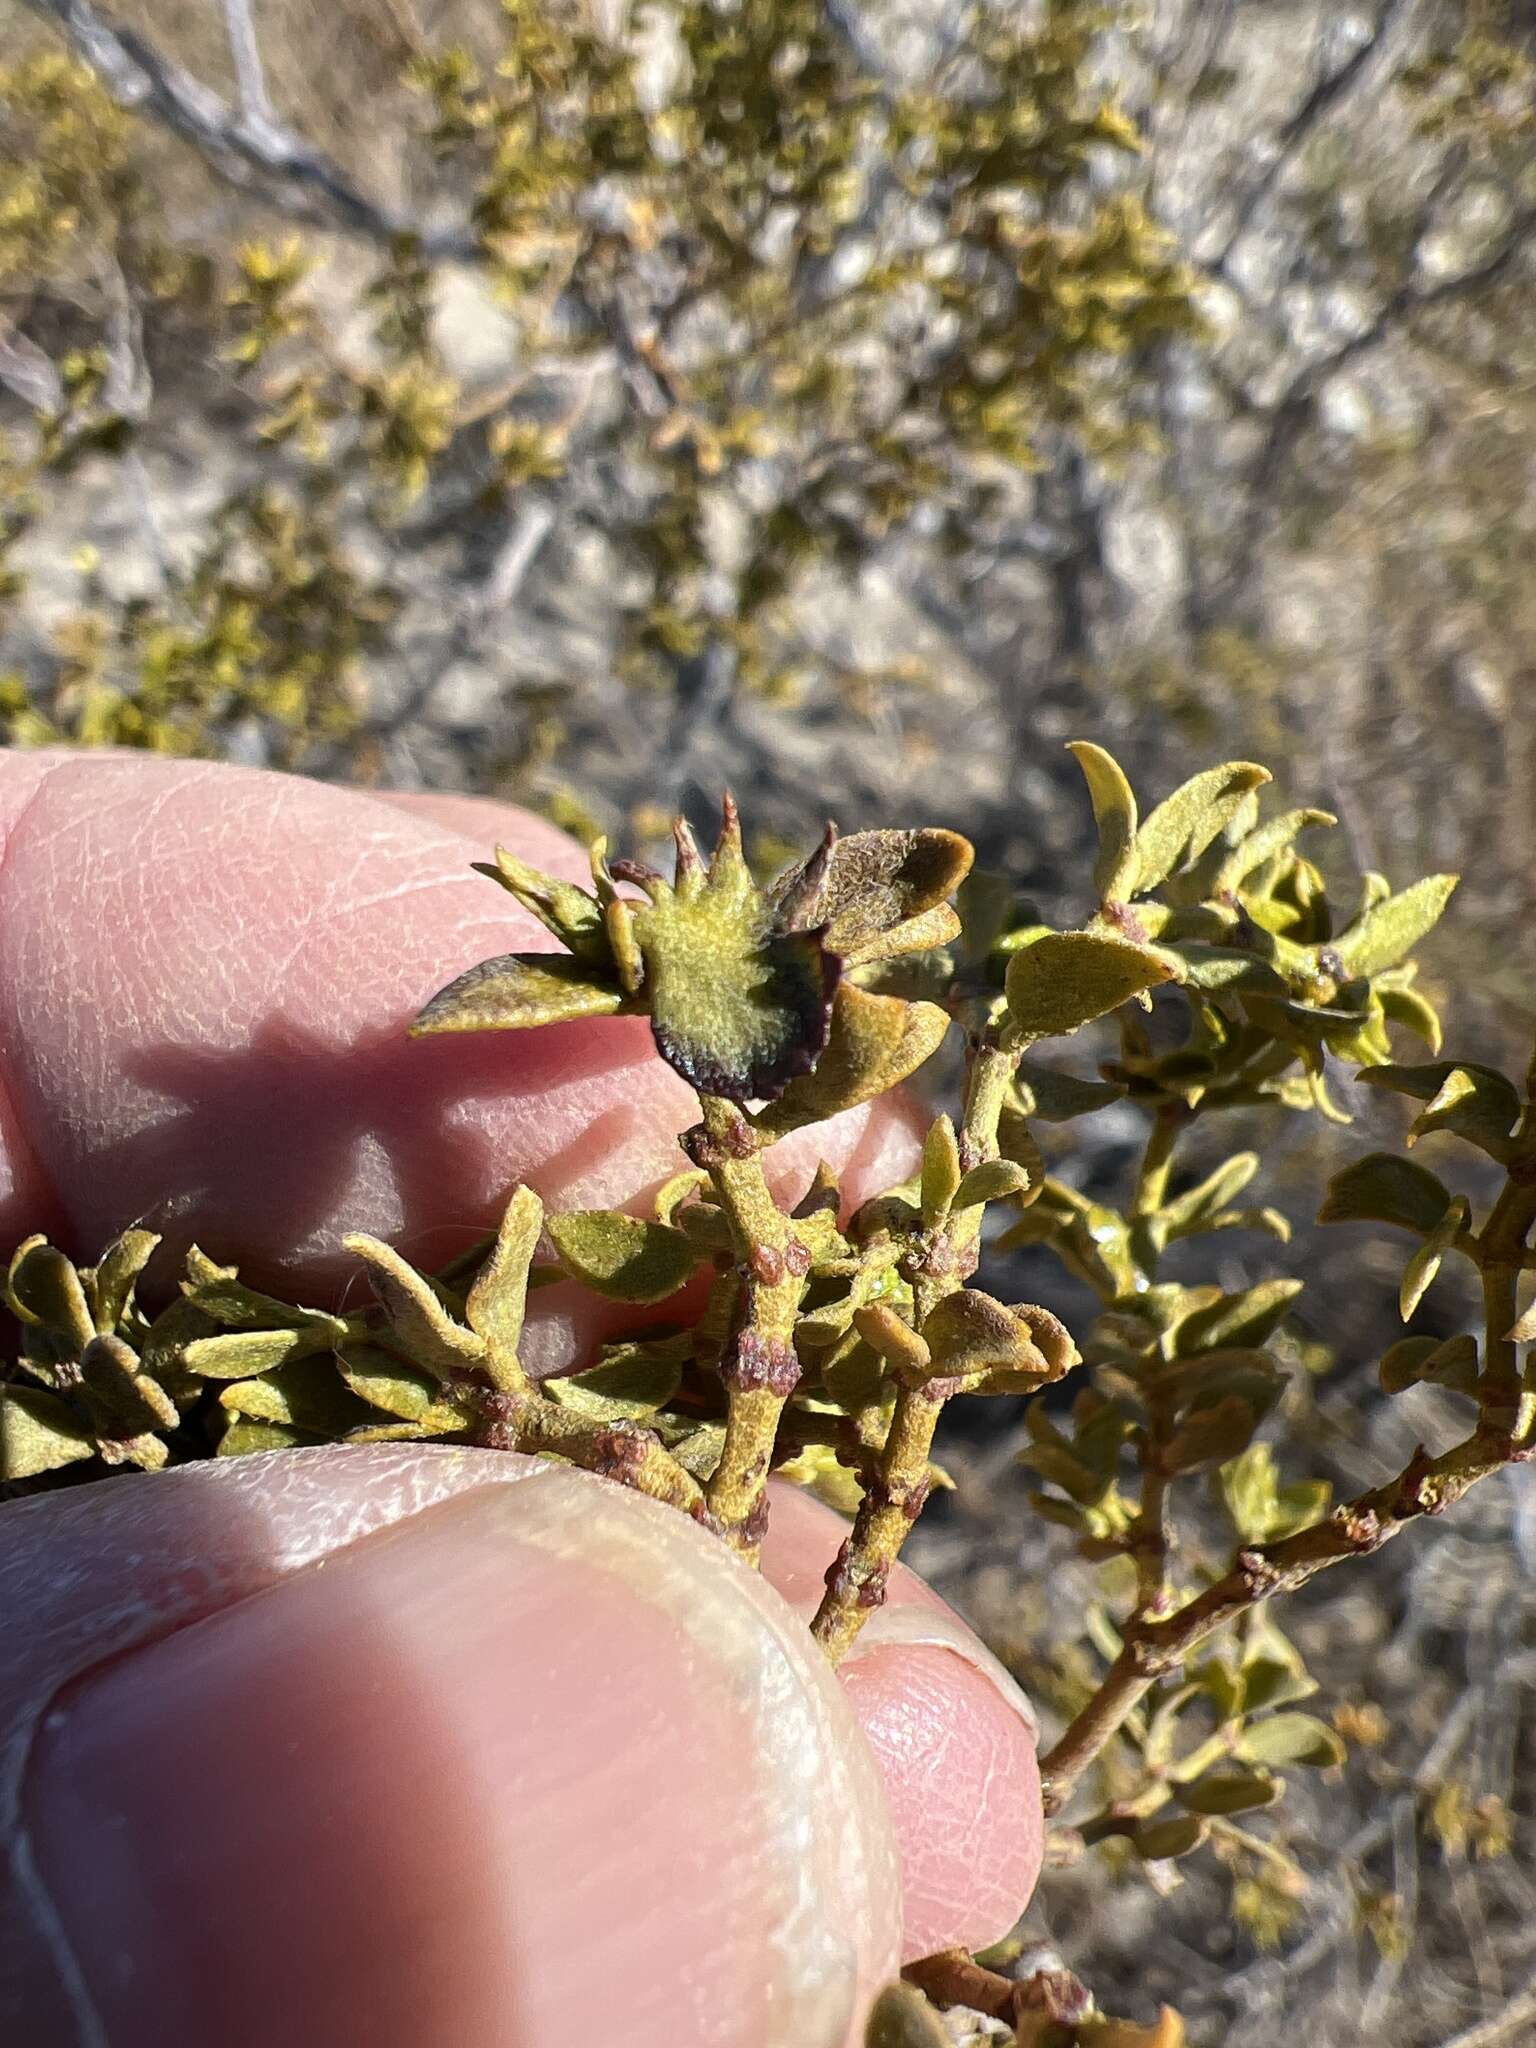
[{"x": 822, "y": 1342}]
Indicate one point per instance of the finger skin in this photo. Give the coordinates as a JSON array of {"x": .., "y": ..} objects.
[
  {"x": 420, "y": 1746},
  {"x": 205, "y": 977},
  {"x": 955, "y": 1743}
]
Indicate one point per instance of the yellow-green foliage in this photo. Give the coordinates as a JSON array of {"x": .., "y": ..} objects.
[{"x": 822, "y": 291}]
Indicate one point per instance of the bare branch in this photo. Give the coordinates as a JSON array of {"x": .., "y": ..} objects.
[
  {"x": 248, "y": 151},
  {"x": 1329, "y": 91},
  {"x": 1297, "y": 406},
  {"x": 27, "y": 372},
  {"x": 246, "y": 54}
]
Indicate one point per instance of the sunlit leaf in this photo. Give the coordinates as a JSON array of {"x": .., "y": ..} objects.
[
  {"x": 869, "y": 887},
  {"x": 1245, "y": 1318},
  {"x": 45, "y": 1290},
  {"x": 499, "y": 1297},
  {"x": 299, "y": 1396},
  {"x": 630, "y": 1384},
  {"x": 1116, "y": 869},
  {"x": 418, "y": 1320},
  {"x": 876, "y": 1043},
  {"x": 1066, "y": 979},
  {"x": 1389, "y": 931},
  {"x": 1290, "y": 1739},
  {"x": 112, "y": 1280},
  {"x": 240, "y": 1354},
  {"x": 941, "y": 1174},
  {"x": 38, "y": 1434},
  {"x": 1427, "y": 1260},
  {"x": 573, "y": 915},
  {"x": 519, "y": 992},
  {"x": 1184, "y": 824},
  {"x": 1262, "y": 844},
  {"x": 623, "y": 1258},
  {"x": 994, "y": 1180},
  {"x": 1473, "y": 1102}
]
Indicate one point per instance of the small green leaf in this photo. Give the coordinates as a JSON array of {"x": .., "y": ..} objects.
[
  {"x": 519, "y": 992},
  {"x": 1229, "y": 1792},
  {"x": 1472, "y": 1102},
  {"x": 1065, "y": 979},
  {"x": 1290, "y": 1739},
  {"x": 499, "y": 1298},
  {"x": 1262, "y": 844},
  {"x": 418, "y": 1320},
  {"x": 1406, "y": 1007},
  {"x": 673, "y": 1193},
  {"x": 1055, "y": 1097},
  {"x": 1449, "y": 1362},
  {"x": 902, "y": 2018},
  {"x": 1210, "y": 1436},
  {"x": 116, "y": 1385},
  {"x": 818, "y": 1470},
  {"x": 1382, "y": 1188},
  {"x": 1248, "y": 1318},
  {"x": 1187, "y": 1213},
  {"x": 386, "y": 1383},
  {"x": 219, "y": 1294},
  {"x": 698, "y": 1450},
  {"x": 995, "y": 1180},
  {"x": 241, "y": 1354},
  {"x": 1475, "y": 1104},
  {"x": 630, "y": 1384},
  {"x": 573, "y": 915},
  {"x": 111, "y": 1282},
  {"x": 246, "y": 1438},
  {"x": 1184, "y": 824},
  {"x": 1156, "y": 1841},
  {"x": 1056, "y": 1464},
  {"x": 1248, "y": 1486},
  {"x": 1426, "y": 1261},
  {"x": 1115, "y": 871},
  {"x": 623, "y": 1258},
  {"x": 38, "y": 1434},
  {"x": 302, "y": 1396},
  {"x": 1389, "y": 931},
  {"x": 1010, "y": 1351},
  {"x": 1227, "y": 970},
  {"x": 45, "y": 1290},
  {"x": 941, "y": 1172},
  {"x": 876, "y": 893},
  {"x": 876, "y": 1043}
]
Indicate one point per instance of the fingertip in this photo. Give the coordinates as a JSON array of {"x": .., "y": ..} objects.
[
  {"x": 963, "y": 1783},
  {"x": 953, "y": 1735},
  {"x": 537, "y": 1749}
]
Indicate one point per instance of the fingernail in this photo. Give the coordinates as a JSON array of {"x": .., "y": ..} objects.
[
  {"x": 913, "y": 1623},
  {"x": 541, "y": 1762}
]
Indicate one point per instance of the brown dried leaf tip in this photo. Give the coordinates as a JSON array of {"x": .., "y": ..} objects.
[{"x": 738, "y": 981}]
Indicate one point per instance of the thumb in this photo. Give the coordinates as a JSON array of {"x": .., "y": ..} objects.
[{"x": 400, "y": 1747}]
